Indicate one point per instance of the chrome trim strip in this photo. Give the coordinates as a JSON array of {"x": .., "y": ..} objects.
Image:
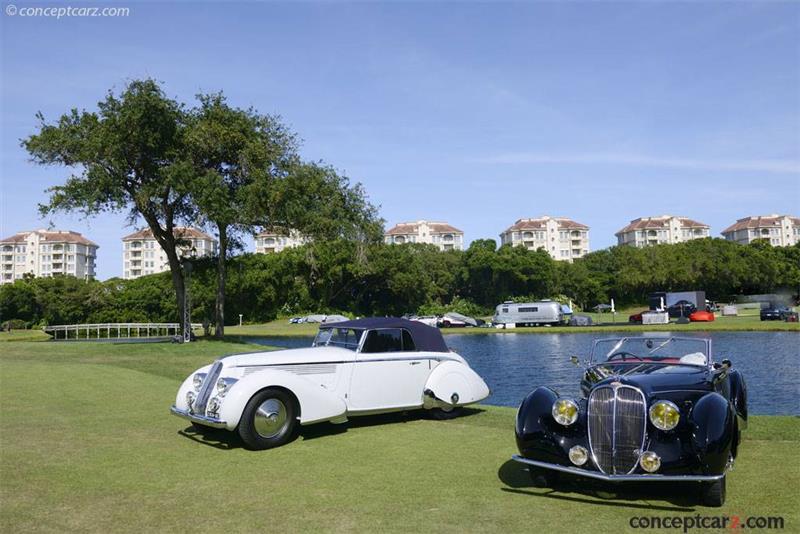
[
  {"x": 201, "y": 419},
  {"x": 617, "y": 478},
  {"x": 372, "y": 360},
  {"x": 209, "y": 384}
]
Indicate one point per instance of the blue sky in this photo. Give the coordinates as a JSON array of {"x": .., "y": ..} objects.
[{"x": 473, "y": 113}]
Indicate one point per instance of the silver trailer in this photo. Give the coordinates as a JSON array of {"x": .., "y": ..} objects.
[{"x": 528, "y": 313}]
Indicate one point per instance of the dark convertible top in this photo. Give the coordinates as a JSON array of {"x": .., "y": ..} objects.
[{"x": 426, "y": 338}]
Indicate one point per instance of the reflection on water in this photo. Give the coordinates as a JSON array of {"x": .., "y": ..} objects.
[{"x": 514, "y": 364}]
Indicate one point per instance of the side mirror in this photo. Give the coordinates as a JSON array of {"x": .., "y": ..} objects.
[{"x": 575, "y": 361}]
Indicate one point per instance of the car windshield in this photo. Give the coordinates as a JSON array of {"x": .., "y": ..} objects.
[
  {"x": 671, "y": 350},
  {"x": 347, "y": 338}
]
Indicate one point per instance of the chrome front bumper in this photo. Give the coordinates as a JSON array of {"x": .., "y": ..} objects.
[
  {"x": 199, "y": 419},
  {"x": 618, "y": 478}
]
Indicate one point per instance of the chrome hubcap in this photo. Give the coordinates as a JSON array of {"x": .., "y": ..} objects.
[{"x": 270, "y": 418}]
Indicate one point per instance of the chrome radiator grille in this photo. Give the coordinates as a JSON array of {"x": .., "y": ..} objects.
[
  {"x": 617, "y": 421},
  {"x": 209, "y": 383}
]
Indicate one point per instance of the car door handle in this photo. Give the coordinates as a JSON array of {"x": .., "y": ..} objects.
[{"x": 415, "y": 363}]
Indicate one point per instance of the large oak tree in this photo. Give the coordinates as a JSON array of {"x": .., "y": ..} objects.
[
  {"x": 249, "y": 176},
  {"x": 127, "y": 156}
]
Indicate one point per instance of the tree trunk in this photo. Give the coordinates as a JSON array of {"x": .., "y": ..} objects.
[
  {"x": 166, "y": 239},
  {"x": 178, "y": 282},
  {"x": 219, "y": 330}
]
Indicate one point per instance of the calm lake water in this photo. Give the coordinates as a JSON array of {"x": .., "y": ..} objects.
[{"x": 514, "y": 364}]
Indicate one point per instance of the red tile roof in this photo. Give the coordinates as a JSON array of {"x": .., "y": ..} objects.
[
  {"x": 759, "y": 221},
  {"x": 52, "y": 236},
  {"x": 413, "y": 228},
  {"x": 180, "y": 231},
  {"x": 537, "y": 224},
  {"x": 646, "y": 223}
]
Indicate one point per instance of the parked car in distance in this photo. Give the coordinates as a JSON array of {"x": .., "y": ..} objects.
[
  {"x": 653, "y": 409},
  {"x": 430, "y": 320},
  {"x": 449, "y": 322},
  {"x": 774, "y": 313},
  {"x": 636, "y": 318},
  {"x": 358, "y": 367},
  {"x": 682, "y": 308},
  {"x": 701, "y": 316}
]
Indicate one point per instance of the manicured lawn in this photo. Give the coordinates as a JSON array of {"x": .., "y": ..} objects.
[
  {"x": 24, "y": 335},
  {"x": 87, "y": 444}
]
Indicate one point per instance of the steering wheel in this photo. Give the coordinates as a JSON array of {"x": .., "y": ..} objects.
[{"x": 623, "y": 355}]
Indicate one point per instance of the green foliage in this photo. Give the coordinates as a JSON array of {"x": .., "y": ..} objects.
[{"x": 351, "y": 277}]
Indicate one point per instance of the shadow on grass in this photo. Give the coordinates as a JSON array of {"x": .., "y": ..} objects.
[
  {"x": 328, "y": 429},
  {"x": 213, "y": 437},
  {"x": 225, "y": 440},
  {"x": 682, "y": 497}
]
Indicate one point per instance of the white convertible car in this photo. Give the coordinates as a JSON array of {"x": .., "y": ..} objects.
[{"x": 360, "y": 367}]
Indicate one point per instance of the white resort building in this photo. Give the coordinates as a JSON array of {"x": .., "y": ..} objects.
[
  {"x": 780, "y": 230},
  {"x": 142, "y": 255},
  {"x": 564, "y": 239},
  {"x": 47, "y": 253},
  {"x": 664, "y": 229},
  {"x": 268, "y": 242},
  {"x": 441, "y": 234}
]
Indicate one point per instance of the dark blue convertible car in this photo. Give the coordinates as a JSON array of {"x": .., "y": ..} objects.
[{"x": 653, "y": 409}]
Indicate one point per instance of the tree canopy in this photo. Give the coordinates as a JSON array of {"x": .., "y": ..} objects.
[
  {"x": 325, "y": 277},
  {"x": 231, "y": 170}
]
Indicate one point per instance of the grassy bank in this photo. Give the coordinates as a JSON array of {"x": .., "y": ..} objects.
[
  {"x": 750, "y": 323},
  {"x": 87, "y": 445}
]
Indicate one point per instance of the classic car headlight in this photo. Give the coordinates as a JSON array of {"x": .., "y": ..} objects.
[
  {"x": 224, "y": 385},
  {"x": 197, "y": 380},
  {"x": 578, "y": 455},
  {"x": 650, "y": 461},
  {"x": 664, "y": 415},
  {"x": 565, "y": 411},
  {"x": 213, "y": 407}
]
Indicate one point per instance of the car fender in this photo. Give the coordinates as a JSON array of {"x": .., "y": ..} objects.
[
  {"x": 739, "y": 397},
  {"x": 712, "y": 419},
  {"x": 316, "y": 402},
  {"x": 535, "y": 411},
  {"x": 455, "y": 383},
  {"x": 187, "y": 386}
]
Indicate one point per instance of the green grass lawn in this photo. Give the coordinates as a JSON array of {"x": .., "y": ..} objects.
[{"x": 87, "y": 444}]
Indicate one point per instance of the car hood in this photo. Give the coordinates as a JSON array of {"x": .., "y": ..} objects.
[
  {"x": 652, "y": 378},
  {"x": 290, "y": 357}
]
